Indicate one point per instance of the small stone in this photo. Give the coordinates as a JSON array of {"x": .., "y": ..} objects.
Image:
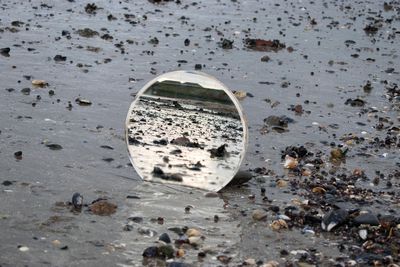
[
  {"x": 226, "y": 44},
  {"x": 195, "y": 240},
  {"x": 338, "y": 154},
  {"x": 319, "y": 190},
  {"x": 290, "y": 162},
  {"x": 187, "y": 42},
  {"x": 18, "y": 155},
  {"x": 86, "y": 32},
  {"x": 259, "y": 215},
  {"x": 240, "y": 95},
  {"x": 334, "y": 218},
  {"x": 77, "y": 200},
  {"x": 56, "y": 243},
  {"x": 367, "y": 218},
  {"x": 59, "y": 58},
  {"x": 54, "y": 146},
  {"x": 7, "y": 183},
  {"x": 198, "y": 67},
  {"x": 363, "y": 233},
  {"x": 5, "y": 51},
  {"x": 39, "y": 83},
  {"x": 180, "y": 253},
  {"x": 150, "y": 252},
  {"x": 26, "y": 91},
  {"x": 265, "y": 59},
  {"x": 193, "y": 232},
  {"x": 165, "y": 238},
  {"x": 82, "y": 102},
  {"x": 23, "y": 248},
  {"x": 166, "y": 251},
  {"x": 281, "y": 183},
  {"x": 278, "y": 225},
  {"x": 298, "y": 109}
]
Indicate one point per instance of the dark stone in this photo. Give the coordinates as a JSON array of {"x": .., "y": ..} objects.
[
  {"x": 132, "y": 197},
  {"x": 157, "y": 172},
  {"x": 187, "y": 42},
  {"x": 226, "y": 44},
  {"x": 162, "y": 142},
  {"x": 77, "y": 200},
  {"x": 26, "y": 91},
  {"x": 133, "y": 141},
  {"x": 218, "y": 152},
  {"x": 18, "y": 155},
  {"x": 91, "y": 8},
  {"x": 165, "y": 238},
  {"x": 5, "y": 51},
  {"x": 54, "y": 146},
  {"x": 355, "y": 102},
  {"x": 59, "y": 58},
  {"x": 366, "y": 218},
  {"x": 7, "y": 183},
  {"x": 86, "y": 32},
  {"x": 150, "y": 252}
]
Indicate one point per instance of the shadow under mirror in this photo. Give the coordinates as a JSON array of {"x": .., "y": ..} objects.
[{"x": 186, "y": 128}]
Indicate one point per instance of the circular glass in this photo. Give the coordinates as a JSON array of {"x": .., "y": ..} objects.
[{"x": 186, "y": 128}]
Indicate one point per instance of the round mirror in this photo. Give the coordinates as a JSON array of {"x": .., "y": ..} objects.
[{"x": 187, "y": 128}]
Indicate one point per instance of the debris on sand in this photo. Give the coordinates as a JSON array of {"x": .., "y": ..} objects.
[
  {"x": 102, "y": 207},
  {"x": 264, "y": 45}
]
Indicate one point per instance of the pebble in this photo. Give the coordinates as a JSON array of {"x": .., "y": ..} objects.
[
  {"x": 363, "y": 233},
  {"x": 367, "y": 218},
  {"x": 165, "y": 238},
  {"x": 259, "y": 215},
  {"x": 290, "y": 162},
  {"x": 334, "y": 218},
  {"x": 265, "y": 58},
  {"x": 54, "y": 146},
  {"x": 278, "y": 225},
  {"x": 193, "y": 232},
  {"x": 77, "y": 200},
  {"x": 7, "y": 183},
  {"x": 40, "y": 83},
  {"x": 23, "y": 248},
  {"x": 18, "y": 155}
]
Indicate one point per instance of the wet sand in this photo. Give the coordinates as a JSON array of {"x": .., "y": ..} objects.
[{"x": 332, "y": 52}]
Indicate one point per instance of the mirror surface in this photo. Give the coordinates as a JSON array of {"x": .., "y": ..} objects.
[{"x": 186, "y": 128}]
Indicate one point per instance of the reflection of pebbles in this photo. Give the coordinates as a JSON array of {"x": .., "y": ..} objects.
[{"x": 191, "y": 145}]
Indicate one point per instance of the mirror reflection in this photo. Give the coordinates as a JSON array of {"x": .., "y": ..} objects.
[{"x": 186, "y": 128}]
